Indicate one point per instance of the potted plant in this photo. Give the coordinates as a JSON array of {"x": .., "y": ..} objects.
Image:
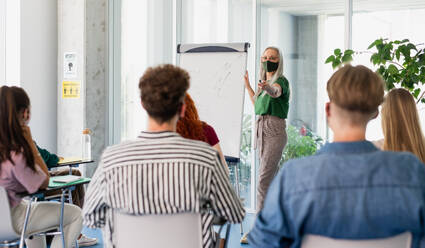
[
  {"x": 399, "y": 62},
  {"x": 302, "y": 142}
]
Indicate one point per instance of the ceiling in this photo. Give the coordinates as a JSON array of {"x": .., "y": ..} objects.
[{"x": 316, "y": 7}]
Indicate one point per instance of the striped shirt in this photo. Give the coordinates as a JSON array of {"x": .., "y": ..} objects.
[{"x": 160, "y": 173}]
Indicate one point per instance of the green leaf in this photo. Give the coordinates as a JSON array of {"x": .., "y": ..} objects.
[
  {"x": 410, "y": 46},
  {"x": 335, "y": 64},
  {"x": 389, "y": 85},
  {"x": 330, "y": 59},
  {"x": 416, "y": 93},
  {"x": 405, "y": 40},
  {"x": 348, "y": 52},
  {"x": 397, "y": 54},
  {"x": 423, "y": 100},
  {"x": 337, "y": 51},
  {"x": 392, "y": 69},
  {"x": 346, "y": 58},
  {"x": 381, "y": 70},
  {"x": 374, "y": 59},
  {"x": 372, "y": 45}
]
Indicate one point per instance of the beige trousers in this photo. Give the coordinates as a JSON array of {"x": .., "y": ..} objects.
[
  {"x": 44, "y": 216},
  {"x": 270, "y": 141}
]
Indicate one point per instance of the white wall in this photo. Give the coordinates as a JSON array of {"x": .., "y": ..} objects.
[
  {"x": 38, "y": 63},
  {"x": 2, "y": 41},
  {"x": 9, "y": 42}
]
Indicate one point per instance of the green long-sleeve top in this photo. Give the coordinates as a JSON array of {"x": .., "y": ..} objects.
[{"x": 49, "y": 158}]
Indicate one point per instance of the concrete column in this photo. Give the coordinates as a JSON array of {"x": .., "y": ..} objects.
[
  {"x": 96, "y": 76},
  {"x": 82, "y": 30}
]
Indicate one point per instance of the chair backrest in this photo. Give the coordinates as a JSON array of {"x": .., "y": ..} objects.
[
  {"x": 6, "y": 228},
  {"x": 402, "y": 240},
  {"x": 181, "y": 230}
]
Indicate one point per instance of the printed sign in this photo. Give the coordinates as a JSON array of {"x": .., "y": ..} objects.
[
  {"x": 69, "y": 65},
  {"x": 71, "y": 89}
]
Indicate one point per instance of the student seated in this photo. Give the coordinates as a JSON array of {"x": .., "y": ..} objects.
[
  {"x": 156, "y": 159},
  {"x": 349, "y": 189},
  {"x": 191, "y": 127},
  {"x": 22, "y": 171},
  {"x": 401, "y": 124},
  {"x": 50, "y": 159}
]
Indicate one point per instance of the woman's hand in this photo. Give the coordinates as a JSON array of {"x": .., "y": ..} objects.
[
  {"x": 249, "y": 88},
  {"x": 246, "y": 77},
  {"x": 262, "y": 84}
]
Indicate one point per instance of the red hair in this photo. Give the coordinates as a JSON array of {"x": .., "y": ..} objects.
[{"x": 190, "y": 127}]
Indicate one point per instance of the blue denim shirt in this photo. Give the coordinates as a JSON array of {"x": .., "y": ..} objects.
[{"x": 348, "y": 190}]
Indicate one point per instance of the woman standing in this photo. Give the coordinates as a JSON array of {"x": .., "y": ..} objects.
[
  {"x": 401, "y": 125},
  {"x": 271, "y": 102}
]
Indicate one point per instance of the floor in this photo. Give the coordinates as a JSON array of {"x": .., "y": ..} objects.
[{"x": 235, "y": 234}]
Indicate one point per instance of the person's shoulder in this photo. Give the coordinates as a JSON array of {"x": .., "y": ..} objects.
[
  {"x": 197, "y": 144},
  {"x": 282, "y": 79},
  {"x": 207, "y": 127},
  {"x": 120, "y": 146},
  {"x": 303, "y": 161},
  {"x": 18, "y": 158},
  {"x": 405, "y": 158}
]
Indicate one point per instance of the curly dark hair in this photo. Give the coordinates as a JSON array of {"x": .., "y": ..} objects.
[
  {"x": 190, "y": 126},
  {"x": 162, "y": 90}
]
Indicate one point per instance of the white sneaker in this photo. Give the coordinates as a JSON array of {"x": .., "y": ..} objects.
[{"x": 84, "y": 241}]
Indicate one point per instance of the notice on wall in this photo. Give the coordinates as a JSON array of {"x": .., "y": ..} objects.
[
  {"x": 69, "y": 65},
  {"x": 71, "y": 89}
]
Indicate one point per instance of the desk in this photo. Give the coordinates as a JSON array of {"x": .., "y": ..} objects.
[
  {"x": 71, "y": 164},
  {"x": 64, "y": 188}
]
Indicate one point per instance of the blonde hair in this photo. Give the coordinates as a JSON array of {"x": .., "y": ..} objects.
[
  {"x": 401, "y": 125},
  {"x": 279, "y": 71},
  {"x": 356, "y": 89}
]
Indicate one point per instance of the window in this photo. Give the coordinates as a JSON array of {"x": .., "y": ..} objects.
[
  {"x": 396, "y": 21},
  {"x": 9, "y": 42},
  {"x": 306, "y": 33},
  {"x": 146, "y": 40}
]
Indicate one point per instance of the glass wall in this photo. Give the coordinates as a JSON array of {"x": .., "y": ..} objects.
[
  {"x": 146, "y": 40},
  {"x": 306, "y": 31},
  {"x": 394, "y": 21}
]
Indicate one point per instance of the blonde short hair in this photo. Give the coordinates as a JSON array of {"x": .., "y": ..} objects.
[{"x": 356, "y": 89}]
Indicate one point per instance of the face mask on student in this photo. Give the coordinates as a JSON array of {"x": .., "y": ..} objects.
[{"x": 269, "y": 66}]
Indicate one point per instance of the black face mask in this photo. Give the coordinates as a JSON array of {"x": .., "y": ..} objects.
[{"x": 269, "y": 66}]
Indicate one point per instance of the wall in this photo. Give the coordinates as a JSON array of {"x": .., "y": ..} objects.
[
  {"x": 38, "y": 63},
  {"x": 96, "y": 63},
  {"x": 10, "y": 42},
  {"x": 2, "y": 41},
  {"x": 82, "y": 30}
]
